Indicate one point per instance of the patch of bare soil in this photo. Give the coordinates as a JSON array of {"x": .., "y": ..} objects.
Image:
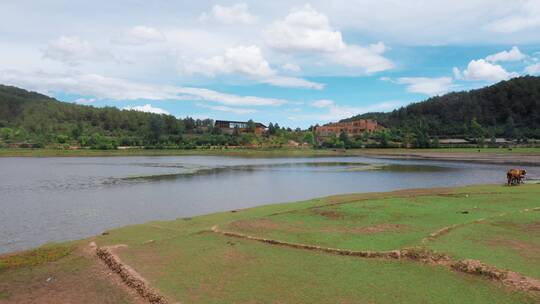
[
  {"x": 77, "y": 278},
  {"x": 525, "y": 249},
  {"x": 387, "y": 227},
  {"x": 329, "y": 214},
  {"x": 378, "y": 229},
  {"x": 234, "y": 255},
  {"x": 532, "y": 227}
]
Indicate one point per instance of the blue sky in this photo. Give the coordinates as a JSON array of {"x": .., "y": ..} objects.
[{"x": 297, "y": 63}]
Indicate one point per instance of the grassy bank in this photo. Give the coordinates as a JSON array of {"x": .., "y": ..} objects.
[
  {"x": 261, "y": 152},
  {"x": 187, "y": 261}
]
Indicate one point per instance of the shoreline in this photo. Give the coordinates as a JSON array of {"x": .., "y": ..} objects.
[{"x": 515, "y": 156}]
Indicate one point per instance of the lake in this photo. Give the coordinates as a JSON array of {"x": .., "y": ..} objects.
[{"x": 58, "y": 199}]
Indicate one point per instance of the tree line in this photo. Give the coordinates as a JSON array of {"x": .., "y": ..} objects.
[
  {"x": 509, "y": 109},
  {"x": 35, "y": 120}
]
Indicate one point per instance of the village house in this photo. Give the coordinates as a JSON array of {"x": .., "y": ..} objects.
[
  {"x": 351, "y": 128},
  {"x": 228, "y": 127}
]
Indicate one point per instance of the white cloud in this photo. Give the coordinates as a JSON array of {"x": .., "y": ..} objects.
[
  {"x": 533, "y": 69},
  {"x": 73, "y": 50},
  {"x": 307, "y": 30},
  {"x": 527, "y": 17},
  {"x": 304, "y": 29},
  {"x": 147, "y": 108},
  {"x": 240, "y": 111},
  {"x": 515, "y": 24},
  {"x": 457, "y": 73},
  {"x": 513, "y": 55},
  {"x": 247, "y": 61},
  {"x": 237, "y": 13},
  {"x": 292, "y": 82},
  {"x": 242, "y": 59},
  {"x": 426, "y": 85},
  {"x": 110, "y": 88},
  {"x": 323, "y": 103},
  {"x": 291, "y": 67},
  {"x": 482, "y": 70},
  {"x": 140, "y": 35},
  {"x": 368, "y": 58}
]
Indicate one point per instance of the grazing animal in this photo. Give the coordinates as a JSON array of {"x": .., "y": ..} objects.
[{"x": 515, "y": 176}]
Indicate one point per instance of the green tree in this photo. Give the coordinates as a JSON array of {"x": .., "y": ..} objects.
[
  {"x": 156, "y": 129},
  {"x": 309, "y": 138},
  {"x": 344, "y": 138},
  {"x": 251, "y": 126},
  {"x": 477, "y": 132}
]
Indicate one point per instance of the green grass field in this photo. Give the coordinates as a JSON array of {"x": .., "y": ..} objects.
[{"x": 187, "y": 262}]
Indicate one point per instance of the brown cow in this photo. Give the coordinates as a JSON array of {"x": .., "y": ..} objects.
[{"x": 515, "y": 176}]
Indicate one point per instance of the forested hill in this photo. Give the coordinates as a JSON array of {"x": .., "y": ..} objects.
[
  {"x": 33, "y": 117},
  {"x": 508, "y": 109},
  {"x": 29, "y": 119}
]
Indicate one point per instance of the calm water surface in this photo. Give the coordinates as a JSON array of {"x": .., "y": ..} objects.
[{"x": 57, "y": 199}]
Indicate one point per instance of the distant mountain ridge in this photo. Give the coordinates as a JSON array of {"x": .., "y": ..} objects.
[{"x": 507, "y": 109}]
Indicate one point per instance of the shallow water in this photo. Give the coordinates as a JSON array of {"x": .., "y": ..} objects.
[{"x": 57, "y": 199}]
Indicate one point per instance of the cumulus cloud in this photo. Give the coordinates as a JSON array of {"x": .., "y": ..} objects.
[
  {"x": 307, "y": 30},
  {"x": 426, "y": 85},
  {"x": 140, "y": 35},
  {"x": 147, "y": 108},
  {"x": 111, "y": 88},
  {"x": 304, "y": 29},
  {"x": 483, "y": 70},
  {"x": 247, "y": 61},
  {"x": 533, "y": 69},
  {"x": 240, "y": 111},
  {"x": 73, "y": 50},
  {"x": 237, "y": 13},
  {"x": 513, "y": 55}
]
